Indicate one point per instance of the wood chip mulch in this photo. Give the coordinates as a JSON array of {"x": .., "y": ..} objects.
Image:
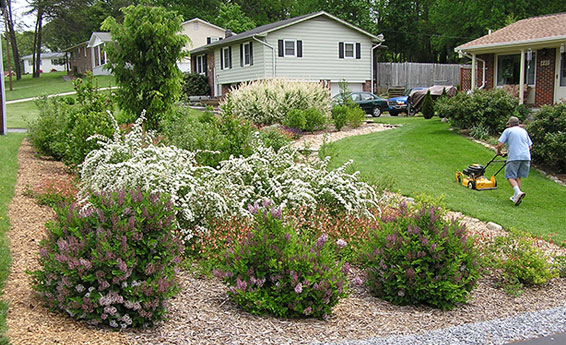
[{"x": 203, "y": 314}]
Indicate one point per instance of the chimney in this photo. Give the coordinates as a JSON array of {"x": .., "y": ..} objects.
[{"x": 228, "y": 33}]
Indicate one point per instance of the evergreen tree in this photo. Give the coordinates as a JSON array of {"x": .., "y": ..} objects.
[{"x": 428, "y": 106}]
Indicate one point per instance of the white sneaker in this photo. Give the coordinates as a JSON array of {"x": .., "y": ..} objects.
[
  {"x": 519, "y": 198},
  {"x": 512, "y": 198}
]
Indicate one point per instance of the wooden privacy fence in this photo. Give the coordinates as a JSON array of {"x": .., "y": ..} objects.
[{"x": 411, "y": 74}]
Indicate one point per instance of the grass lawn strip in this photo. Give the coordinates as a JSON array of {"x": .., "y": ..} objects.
[
  {"x": 28, "y": 321},
  {"x": 422, "y": 156},
  {"x": 20, "y": 115},
  {"x": 8, "y": 173},
  {"x": 203, "y": 314}
]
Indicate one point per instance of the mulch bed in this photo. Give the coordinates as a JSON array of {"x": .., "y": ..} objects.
[{"x": 203, "y": 314}]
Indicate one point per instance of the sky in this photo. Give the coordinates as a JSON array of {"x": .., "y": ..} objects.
[{"x": 23, "y": 22}]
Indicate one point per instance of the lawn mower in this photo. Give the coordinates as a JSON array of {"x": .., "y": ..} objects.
[{"x": 473, "y": 176}]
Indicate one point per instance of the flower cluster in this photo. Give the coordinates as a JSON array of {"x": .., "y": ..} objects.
[
  {"x": 112, "y": 263},
  {"x": 269, "y": 101},
  {"x": 202, "y": 193},
  {"x": 275, "y": 270}
]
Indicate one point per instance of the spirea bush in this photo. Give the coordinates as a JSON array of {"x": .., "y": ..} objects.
[
  {"x": 489, "y": 109},
  {"x": 112, "y": 263},
  {"x": 548, "y": 132},
  {"x": 274, "y": 270},
  {"x": 419, "y": 258},
  {"x": 266, "y": 102},
  {"x": 203, "y": 193}
]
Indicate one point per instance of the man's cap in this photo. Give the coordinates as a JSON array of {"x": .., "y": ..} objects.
[{"x": 513, "y": 121}]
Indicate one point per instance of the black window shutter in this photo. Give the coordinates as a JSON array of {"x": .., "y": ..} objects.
[
  {"x": 299, "y": 48},
  {"x": 241, "y": 55},
  {"x": 358, "y": 51},
  {"x": 341, "y": 50},
  {"x": 280, "y": 47},
  {"x": 221, "y": 58},
  {"x": 251, "y": 53},
  {"x": 208, "y": 40},
  {"x": 205, "y": 64},
  {"x": 194, "y": 64},
  {"x": 230, "y": 55}
]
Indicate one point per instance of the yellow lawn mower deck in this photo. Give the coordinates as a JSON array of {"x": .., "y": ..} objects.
[{"x": 473, "y": 176}]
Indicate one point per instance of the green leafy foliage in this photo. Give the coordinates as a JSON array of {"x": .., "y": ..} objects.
[
  {"x": 150, "y": 81},
  {"x": 428, "y": 106},
  {"x": 61, "y": 130},
  {"x": 548, "y": 132},
  {"x": 489, "y": 109},
  {"x": 356, "y": 116},
  {"x": 314, "y": 120},
  {"x": 295, "y": 119},
  {"x": 521, "y": 263},
  {"x": 340, "y": 116},
  {"x": 274, "y": 270},
  {"x": 230, "y": 16},
  {"x": 417, "y": 257},
  {"x": 113, "y": 262},
  {"x": 195, "y": 84},
  {"x": 275, "y": 137}
]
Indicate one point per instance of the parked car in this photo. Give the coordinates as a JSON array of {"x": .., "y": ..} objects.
[
  {"x": 398, "y": 105},
  {"x": 369, "y": 102}
]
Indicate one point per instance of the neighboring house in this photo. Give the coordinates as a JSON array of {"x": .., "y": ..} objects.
[
  {"x": 98, "y": 56},
  {"x": 78, "y": 58},
  {"x": 48, "y": 62},
  {"x": 317, "y": 47},
  {"x": 200, "y": 33},
  {"x": 528, "y": 56}
]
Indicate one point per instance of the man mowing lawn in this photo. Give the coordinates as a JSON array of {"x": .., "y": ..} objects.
[{"x": 519, "y": 156}]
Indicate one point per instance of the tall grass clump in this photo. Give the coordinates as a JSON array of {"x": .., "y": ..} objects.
[{"x": 266, "y": 102}]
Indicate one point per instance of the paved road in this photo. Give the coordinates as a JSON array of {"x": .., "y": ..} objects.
[{"x": 557, "y": 339}]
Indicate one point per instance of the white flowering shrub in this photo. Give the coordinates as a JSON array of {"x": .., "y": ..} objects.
[
  {"x": 203, "y": 193},
  {"x": 269, "y": 101}
]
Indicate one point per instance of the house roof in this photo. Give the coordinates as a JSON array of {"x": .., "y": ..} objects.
[
  {"x": 535, "y": 30},
  {"x": 265, "y": 29},
  {"x": 55, "y": 55},
  {"x": 204, "y": 22},
  {"x": 102, "y": 36},
  {"x": 76, "y": 46}
]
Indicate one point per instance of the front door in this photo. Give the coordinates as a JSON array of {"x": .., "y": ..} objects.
[{"x": 560, "y": 80}]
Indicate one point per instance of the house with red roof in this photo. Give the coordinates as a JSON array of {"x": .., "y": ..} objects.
[{"x": 528, "y": 56}]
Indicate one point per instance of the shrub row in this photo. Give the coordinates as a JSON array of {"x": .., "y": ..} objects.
[{"x": 548, "y": 132}]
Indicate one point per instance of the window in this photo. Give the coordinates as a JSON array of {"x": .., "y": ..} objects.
[
  {"x": 200, "y": 64},
  {"x": 367, "y": 97},
  {"x": 289, "y": 48},
  {"x": 102, "y": 55},
  {"x": 563, "y": 69},
  {"x": 195, "y": 25},
  {"x": 30, "y": 62},
  {"x": 226, "y": 58},
  {"x": 246, "y": 54},
  {"x": 509, "y": 66},
  {"x": 348, "y": 50}
]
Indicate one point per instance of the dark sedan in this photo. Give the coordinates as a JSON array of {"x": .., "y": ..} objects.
[{"x": 369, "y": 102}]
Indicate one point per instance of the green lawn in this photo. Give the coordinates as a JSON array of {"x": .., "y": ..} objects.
[
  {"x": 47, "y": 84},
  {"x": 422, "y": 156},
  {"x": 18, "y": 115},
  {"x": 9, "y": 146}
]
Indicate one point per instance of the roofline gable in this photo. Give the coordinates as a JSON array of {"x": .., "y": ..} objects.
[
  {"x": 204, "y": 22},
  {"x": 543, "y": 40}
]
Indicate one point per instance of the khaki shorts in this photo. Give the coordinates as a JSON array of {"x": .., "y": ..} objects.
[{"x": 515, "y": 169}]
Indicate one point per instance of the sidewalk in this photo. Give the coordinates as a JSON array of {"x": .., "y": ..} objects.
[
  {"x": 556, "y": 339},
  {"x": 55, "y": 95}
]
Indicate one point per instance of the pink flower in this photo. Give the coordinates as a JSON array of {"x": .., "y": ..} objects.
[
  {"x": 358, "y": 281},
  {"x": 299, "y": 288},
  {"x": 341, "y": 243}
]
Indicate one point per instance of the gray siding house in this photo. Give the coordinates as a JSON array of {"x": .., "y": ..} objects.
[{"x": 316, "y": 47}]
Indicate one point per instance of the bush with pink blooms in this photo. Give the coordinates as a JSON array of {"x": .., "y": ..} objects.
[
  {"x": 273, "y": 270},
  {"x": 112, "y": 263}
]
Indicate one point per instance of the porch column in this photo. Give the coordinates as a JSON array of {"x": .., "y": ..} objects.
[
  {"x": 474, "y": 71},
  {"x": 522, "y": 78}
]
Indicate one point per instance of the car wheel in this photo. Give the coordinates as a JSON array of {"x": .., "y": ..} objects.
[
  {"x": 393, "y": 113},
  {"x": 376, "y": 112},
  {"x": 410, "y": 110}
]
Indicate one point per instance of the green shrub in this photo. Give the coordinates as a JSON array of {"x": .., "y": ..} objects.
[
  {"x": 216, "y": 138},
  {"x": 340, "y": 116},
  {"x": 489, "y": 109},
  {"x": 548, "y": 132},
  {"x": 295, "y": 119},
  {"x": 560, "y": 264},
  {"x": 479, "y": 132},
  {"x": 521, "y": 263},
  {"x": 428, "y": 106},
  {"x": 356, "y": 116},
  {"x": 418, "y": 257},
  {"x": 314, "y": 120},
  {"x": 70, "y": 100},
  {"x": 47, "y": 132},
  {"x": 275, "y": 137},
  {"x": 266, "y": 102},
  {"x": 112, "y": 263},
  {"x": 195, "y": 84},
  {"x": 276, "y": 271}
]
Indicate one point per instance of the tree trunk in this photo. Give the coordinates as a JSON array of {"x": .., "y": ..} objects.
[
  {"x": 13, "y": 42},
  {"x": 37, "y": 44}
]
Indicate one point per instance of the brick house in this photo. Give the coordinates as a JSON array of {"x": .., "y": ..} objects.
[
  {"x": 536, "y": 46},
  {"x": 79, "y": 59}
]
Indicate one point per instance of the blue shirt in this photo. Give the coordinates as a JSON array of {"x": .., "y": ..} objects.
[{"x": 518, "y": 143}]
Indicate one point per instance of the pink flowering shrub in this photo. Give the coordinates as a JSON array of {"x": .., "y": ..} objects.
[
  {"x": 56, "y": 190},
  {"x": 113, "y": 263},
  {"x": 276, "y": 271},
  {"x": 418, "y": 257}
]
